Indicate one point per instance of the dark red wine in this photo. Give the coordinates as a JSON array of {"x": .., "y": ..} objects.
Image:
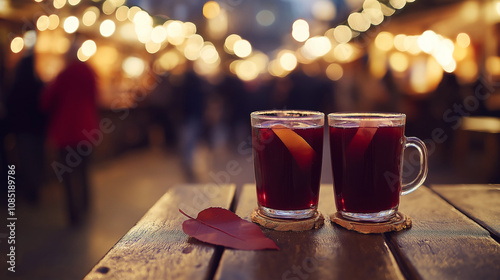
[
  {"x": 287, "y": 180},
  {"x": 366, "y": 167}
]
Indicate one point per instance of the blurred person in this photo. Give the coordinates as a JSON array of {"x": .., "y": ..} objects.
[
  {"x": 70, "y": 102},
  {"x": 27, "y": 124}
]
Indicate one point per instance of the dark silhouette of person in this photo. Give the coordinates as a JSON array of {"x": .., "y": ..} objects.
[
  {"x": 71, "y": 105},
  {"x": 27, "y": 123}
]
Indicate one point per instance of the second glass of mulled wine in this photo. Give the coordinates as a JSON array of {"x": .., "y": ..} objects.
[{"x": 367, "y": 158}]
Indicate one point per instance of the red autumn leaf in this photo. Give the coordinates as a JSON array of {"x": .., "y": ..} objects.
[{"x": 220, "y": 226}]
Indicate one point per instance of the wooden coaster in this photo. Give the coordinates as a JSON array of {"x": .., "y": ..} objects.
[
  {"x": 399, "y": 222},
  {"x": 315, "y": 221}
]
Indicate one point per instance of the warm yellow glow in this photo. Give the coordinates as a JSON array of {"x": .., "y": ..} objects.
[
  {"x": 387, "y": 11},
  {"x": 206, "y": 69},
  {"x": 188, "y": 29},
  {"x": 133, "y": 66},
  {"x": 342, "y": 34},
  {"x": 374, "y": 15},
  {"x": 152, "y": 47},
  {"x": 411, "y": 45},
  {"x": 324, "y": 10},
  {"x": 300, "y": 30},
  {"x": 89, "y": 48},
  {"x": 334, "y": 72},
  {"x": 377, "y": 62},
  {"x": 463, "y": 40},
  {"x": 399, "y": 42},
  {"x": 211, "y": 9},
  {"x": 459, "y": 53},
  {"x": 107, "y": 28},
  {"x": 121, "y": 13},
  {"x": 265, "y": 18},
  {"x": 90, "y": 16},
  {"x": 450, "y": 67},
  {"x": 53, "y": 21},
  {"x": 276, "y": 70},
  {"x": 193, "y": 47},
  {"x": 398, "y": 62},
  {"x": 343, "y": 52},
  {"x": 444, "y": 55},
  {"x": 316, "y": 47},
  {"x": 59, "y": 44},
  {"x": 397, "y": 4},
  {"x": 384, "y": 41},
  {"x": 428, "y": 41},
  {"x": 358, "y": 22},
  {"x": 493, "y": 65},
  {"x": 425, "y": 75},
  {"x": 209, "y": 53},
  {"x": 58, "y": 4},
  {"x": 467, "y": 71},
  {"x": 169, "y": 60},
  {"x": 260, "y": 60},
  {"x": 132, "y": 12},
  {"x": 81, "y": 56},
  {"x": 498, "y": 7},
  {"x": 217, "y": 27},
  {"x": 74, "y": 2},
  {"x": 71, "y": 24},
  {"x": 175, "y": 34},
  {"x": 246, "y": 70},
  {"x": 108, "y": 7},
  {"x": 17, "y": 45},
  {"x": 127, "y": 31},
  {"x": 229, "y": 43},
  {"x": 158, "y": 34},
  {"x": 287, "y": 60},
  {"x": 42, "y": 23},
  {"x": 242, "y": 48},
  {"x": 142, "y": 18}
]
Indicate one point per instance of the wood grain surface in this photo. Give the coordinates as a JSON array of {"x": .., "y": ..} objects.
[
  {"x": 443, "y": 243},
  {"x": 330, "y": 252},
  {"x": 479, "y": 202},
  {"x": 157, "y": 248}
]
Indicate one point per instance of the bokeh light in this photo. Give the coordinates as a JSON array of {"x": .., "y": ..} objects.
[
  {"x": 133, "y": 66},
  {"x": 211, "y": 9},
  {"x": 107, "y": 28},
  {"x": 242, "y": 48},
  {"x": 265, "y": 18},
  {"x": 17, "y": 45},
  {"x": 300, "y": 30},
  {"x": 71, "y": 24}
]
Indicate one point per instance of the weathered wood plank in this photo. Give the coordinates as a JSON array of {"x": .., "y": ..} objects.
[
  {"x": 443, "y": 243},
  {"x": 479, "y": 202},
  {"x": 327, "y": 253},
  {"x": 157, "y": 248}
]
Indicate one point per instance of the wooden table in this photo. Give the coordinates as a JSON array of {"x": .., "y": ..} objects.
[{"x": 455, "y": 235}]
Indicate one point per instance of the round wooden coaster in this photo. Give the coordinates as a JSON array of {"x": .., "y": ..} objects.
[
  {"x": 399, "y": 222},
  {"x": 315, "y": 221}
]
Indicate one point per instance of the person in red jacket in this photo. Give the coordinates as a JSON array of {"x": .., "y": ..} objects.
[{"x": 70, "y": 103}]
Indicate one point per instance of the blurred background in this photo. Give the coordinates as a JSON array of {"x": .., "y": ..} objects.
[{"x": 173, "y": 84}]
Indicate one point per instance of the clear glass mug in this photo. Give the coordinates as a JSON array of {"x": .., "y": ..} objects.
[
  {"x": 367, "y": 160},
  {"x": 287, "y": 150}
]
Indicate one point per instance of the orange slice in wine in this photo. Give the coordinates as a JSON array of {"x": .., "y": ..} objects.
[
  {"x": 301, "y": 151},
  {"x": 363, "y": 137}
]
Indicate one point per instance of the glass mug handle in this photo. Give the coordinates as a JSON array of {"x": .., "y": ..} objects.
[{"x": 422, "y": 174}]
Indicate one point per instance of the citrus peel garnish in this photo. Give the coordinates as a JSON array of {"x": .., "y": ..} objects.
[{"x": 298, "y": 147}]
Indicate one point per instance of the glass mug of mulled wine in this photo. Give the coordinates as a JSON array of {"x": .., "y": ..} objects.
[
  {"x": 367, "y": 161},
  {"x": 287, "y": 150}
]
